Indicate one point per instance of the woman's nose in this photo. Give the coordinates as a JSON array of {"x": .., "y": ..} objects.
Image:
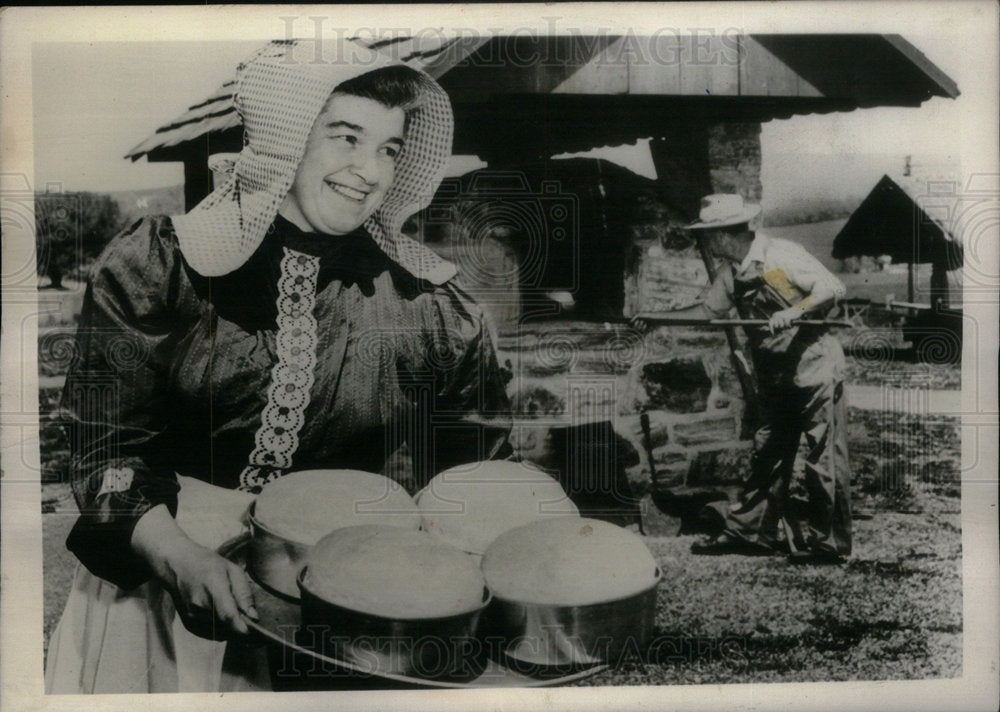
[{"x": 365, "y": 165}]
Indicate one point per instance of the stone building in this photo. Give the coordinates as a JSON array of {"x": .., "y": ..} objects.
[{"x": 594, "y": 398}]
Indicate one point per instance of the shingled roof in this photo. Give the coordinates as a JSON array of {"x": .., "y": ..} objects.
[
  {"x": 216, "y": 113},
  {"x": 545, "y": 88}
]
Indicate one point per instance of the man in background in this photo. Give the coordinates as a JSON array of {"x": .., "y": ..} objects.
[{"x": 801, "y": 391}]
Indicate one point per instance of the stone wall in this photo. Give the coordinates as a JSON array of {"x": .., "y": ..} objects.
[
  {"x": 663, "y": 279},
  {"x": 573, "y": 369},
  {"x": 684, "y": 383},
  {"x": 685, "y": 386},
  {"x": 680, "y": 378}
]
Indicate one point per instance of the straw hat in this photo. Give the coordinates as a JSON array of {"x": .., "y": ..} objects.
[
  {"x": 278, "y": 96},
  {"x": 723, "y": 210}
]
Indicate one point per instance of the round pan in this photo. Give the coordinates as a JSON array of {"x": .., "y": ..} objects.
[
  {"x": 444, "y": 647},
  {"x": 274, "y": 561},
  {"x": 566, "y": 636}
]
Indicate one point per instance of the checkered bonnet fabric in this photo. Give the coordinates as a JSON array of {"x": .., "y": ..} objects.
[{"x": 278, "y": 97}]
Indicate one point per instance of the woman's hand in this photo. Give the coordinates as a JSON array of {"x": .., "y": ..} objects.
[{"x": 209, "y": 592}]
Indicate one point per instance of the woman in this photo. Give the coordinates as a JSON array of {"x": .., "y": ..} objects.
[{"x": 284, "y": 323}]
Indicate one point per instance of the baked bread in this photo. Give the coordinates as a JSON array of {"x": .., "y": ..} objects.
[
  {"x": 394, "y": 573},
  {"x": 568, "y": 562},
  {"x": 471, "y": 505},
  {"x": 305, "y": 506}
]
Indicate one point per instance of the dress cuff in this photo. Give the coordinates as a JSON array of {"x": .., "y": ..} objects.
[{"x": 101, "y": 538}]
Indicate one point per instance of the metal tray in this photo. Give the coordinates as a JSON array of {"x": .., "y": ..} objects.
[{"x": 280, "y": 625}]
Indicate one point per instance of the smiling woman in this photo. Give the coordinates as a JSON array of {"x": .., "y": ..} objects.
[
  {"x": 351, "y": 154},
  {"x": 349, "y": 164},
  {"x": 283, "y": 324}
]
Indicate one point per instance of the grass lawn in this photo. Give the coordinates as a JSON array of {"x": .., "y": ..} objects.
[{"x": 893, "y": 612}]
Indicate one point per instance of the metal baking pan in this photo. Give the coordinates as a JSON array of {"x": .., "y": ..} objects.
[
  {"x": 280, "y": 626},
  {"x": 274, "y": 561},
  {"x": 443, "y": 647},
  {"x": 559, "y": 636}
]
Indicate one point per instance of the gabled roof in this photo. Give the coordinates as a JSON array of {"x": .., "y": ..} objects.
[
  {"x": 893, "y": 220},
  {"x": 549, "y": 89}
]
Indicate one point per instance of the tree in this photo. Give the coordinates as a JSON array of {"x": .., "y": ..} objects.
[{"x": 71, "y": 229}]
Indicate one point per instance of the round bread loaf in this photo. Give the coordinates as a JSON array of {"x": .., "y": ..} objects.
[
  {"x": 394, "y": 573},
  {"x": 305, "y": 506},
  {"x": 470, "y": 506},
  {"x": 568, "y": 562}
]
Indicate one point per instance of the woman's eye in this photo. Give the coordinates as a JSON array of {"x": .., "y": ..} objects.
[
  {"x": 390, "y": 151},
  {"x": 347, "y": 138}
]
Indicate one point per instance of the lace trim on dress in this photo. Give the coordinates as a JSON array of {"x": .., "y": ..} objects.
[{"x": 292, "y": 377}]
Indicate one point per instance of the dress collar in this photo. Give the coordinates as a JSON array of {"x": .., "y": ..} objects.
[
  {"x": 313, "y": 243},
  {"x": 352, "y": 255}
]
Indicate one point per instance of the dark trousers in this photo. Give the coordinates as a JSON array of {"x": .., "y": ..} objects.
[{"x": 802, "y": 447}]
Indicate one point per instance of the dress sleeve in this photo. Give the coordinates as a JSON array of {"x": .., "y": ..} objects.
[
  {"x": 471, "y": 414},
  {"x": 115, "y": 398}
]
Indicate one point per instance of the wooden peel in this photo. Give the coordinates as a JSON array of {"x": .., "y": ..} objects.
[
  {"x": 753, "y": 412},
  {"x": 662, "y": 320}
]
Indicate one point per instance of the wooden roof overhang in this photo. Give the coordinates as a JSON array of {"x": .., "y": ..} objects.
[{"x": 548, "y": 95}]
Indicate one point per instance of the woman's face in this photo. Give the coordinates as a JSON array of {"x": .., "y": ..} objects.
[{"x": 348, "y": 166}]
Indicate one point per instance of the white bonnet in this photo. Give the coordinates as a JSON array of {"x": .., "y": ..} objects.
[{"x": 278, "y": 97}]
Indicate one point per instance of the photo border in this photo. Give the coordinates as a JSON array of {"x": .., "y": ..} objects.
[{"x": 975, "y": 23}]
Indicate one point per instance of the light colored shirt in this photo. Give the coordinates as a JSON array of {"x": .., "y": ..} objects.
[{"x": 800, "y": 270}]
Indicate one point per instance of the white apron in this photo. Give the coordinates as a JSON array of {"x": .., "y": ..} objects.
[{"x": 111, "y": 641}]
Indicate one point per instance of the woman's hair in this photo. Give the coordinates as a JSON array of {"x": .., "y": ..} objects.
[{"x": 393, "y": 87}]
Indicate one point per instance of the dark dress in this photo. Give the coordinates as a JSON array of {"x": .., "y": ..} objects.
[{"x": 174, "y": 370}]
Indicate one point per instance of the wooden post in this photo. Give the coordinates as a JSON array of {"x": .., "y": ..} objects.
[
  {"x": 680, "y": 156},
  {"x": 610, "y": 249},
  {"x": 197, "y": 179},
  {"x": 939, "y": 285}
]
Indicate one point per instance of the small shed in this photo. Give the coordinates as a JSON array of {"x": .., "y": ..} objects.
[{"x": 895, "y": 220}]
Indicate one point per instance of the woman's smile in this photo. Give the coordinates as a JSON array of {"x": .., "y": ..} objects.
[
  {"x": 348, "y": 193},
  {"x": 348, "y": 166}
]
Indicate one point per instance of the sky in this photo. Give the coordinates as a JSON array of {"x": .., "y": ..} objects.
[{"x": 92, "y": 102}]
